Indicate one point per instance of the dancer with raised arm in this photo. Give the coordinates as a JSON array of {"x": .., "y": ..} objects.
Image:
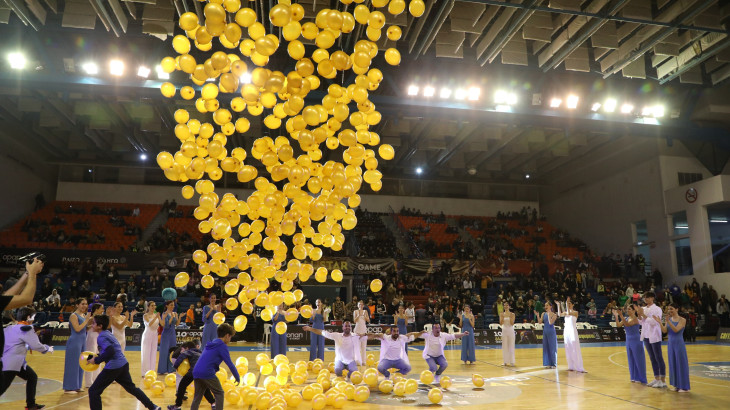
[
  {"x": 278, "y": 341},
  {"x": 91, "y": 346},
  {"x": 507, "y": 320},
  {"x": 549, "y": 336},
  {"x": 168, "y": 339},
  {"x": 468, "y": 348},
  {"x": 676, "y": 350},
  {"x": 209, "y": 326},
  {"x": 433, "y": 352},
  {"x": 73, "y": 375},
  {"x": 151, "y": 321},
  {"x": 361, "y": 317},
  {"x": 393, "y": 353},
  {"x": 347, "y": 347},
  {"x": 634, "y": 347},
  {"x": 120, "y": 322},
  {"x": 571, "y": 339},
  {"x": 316, "y": 343}
]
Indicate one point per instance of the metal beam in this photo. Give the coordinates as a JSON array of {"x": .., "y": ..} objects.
[
  {"x": 599, "y": 16},
  {"x": 484, "y": 158},
  {"x": 441, "y": 15},
  {"x": 699, "y": 60},
  {"x": 496, "y": 47},
  {"x": 462, "y": 136}
]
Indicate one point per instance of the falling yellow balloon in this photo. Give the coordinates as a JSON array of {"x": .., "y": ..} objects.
[
  {"x": 219, "y": 318},
  {"x": 181, "y": 279},
  {"x": 376, "y": 285},
  {"x": 281, "y": 328}
]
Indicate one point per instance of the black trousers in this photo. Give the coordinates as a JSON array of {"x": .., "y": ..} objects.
[
  {"x": 184, "y": 383},
  {"x": 26, "y": 374},
  {"x": 121, "y": 376}
]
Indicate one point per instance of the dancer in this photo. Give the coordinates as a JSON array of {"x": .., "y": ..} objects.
[
  {"x": 393, "y": 353},
  {"x": 204, "y": 371},
  {"x": 400, "y": 319},
  {"x": 120, "y": 322},
  {"x": 361, "y": 317},
  {"x": 347, "y": 347},
  {"x": 73, "y": 375},
  {"x": 468, "y": 349},
  {"x": 676, "y": 350},
  {"x": 190, "y": 351},
  {"x": 116, "y": 368},
  {"x": 209, "y": 327},
  {"x": 149, "y": 337},
  {"x": 571, "y": 340},
  {"x": 651, "y": 335},
  {"x": 278, "y": 342},
  {"x": 549, "y": 336},
  {"x": 19, "y": 339},
  {"x": 91, "y": 336},
  {"x": 634, "y": 347},
  {"x": 168, "y": 340},
  {"x": 316, "y": 343},
  {"x": 507, "y": 320},
  {"x": 433, "y": 352}
]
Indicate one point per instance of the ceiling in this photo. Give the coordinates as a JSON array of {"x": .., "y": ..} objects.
[{"x": 640, "y": 51}]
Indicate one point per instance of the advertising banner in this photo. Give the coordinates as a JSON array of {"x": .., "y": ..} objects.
[{"x": 723, "y": 335}]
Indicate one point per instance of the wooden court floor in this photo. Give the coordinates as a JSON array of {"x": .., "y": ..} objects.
[{"x": 528, "y": 386}]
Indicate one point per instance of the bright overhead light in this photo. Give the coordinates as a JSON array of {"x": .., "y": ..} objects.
[
  {"x": 658, "y": 111},
  {"x": 627, "y": 108},
  {"x": 502, "y": 97},
  {"x": 161, "y": 74},
  {"x": 116, "y": 67},
  {"x": 419, "y": 170},
  {"x": 572, "y": 102},
  {"x": 595, "y": 107},
  {"x": 555, "y": 102},
  {"x": 647, "y": 111},
  {"x": 246, "y": 78},
  {"x": 413, "y": 90},
  {"x": 143, "y": 71},
  {"x": 143, "y": 156},
  {"x": 610, "y": 105},
  {"x": 429, "y": 91},
  {"x": 474, "y": 93},
  {"x": 460, "y": 94},
  {"x": 90, "y": 68},
  {"x": 445, "y": 92},
  {"x": 17, "y": 61},
  {"x": 527, "y": 176}
]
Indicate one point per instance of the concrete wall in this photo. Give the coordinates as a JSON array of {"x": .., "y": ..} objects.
[{"x": 22, "y": 182}]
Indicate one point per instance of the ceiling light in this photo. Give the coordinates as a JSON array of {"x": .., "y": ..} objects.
[
  {"x": 143, "y": 72},
  {"x": 17, "y": 61},
  {"x": 246, "y": 78},
  {"x": 647, "y": 111},
  {"x": 595, "y": 107},
  {"x": 572, "y": 102},
  {"x": 627, "y": 108},
  {"x": 460, "y": 94},
  {"x": 474, "y": 93},
  {"x": 504, "y": 97},
  {"x": 429, "y": 91},
  {"x": 555, "y": 102},
  {"x": 413, "y": 90},
  {"x": 527, "y": 176},
  {"x": 161, "y": 74},
  {"x": 445, "y": 92},
  {"x": 658, "y": 111},
  {"x": 610, "y": 105},
  {"x": 419, "y": 170},
  {"x": 116, "y": 67},
  {"x": 143, "y": 156},
  {"x": 91, "y": 68}
]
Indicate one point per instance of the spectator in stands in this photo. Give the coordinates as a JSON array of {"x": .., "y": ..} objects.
[
  {"x": 46, "y": 288},
  {"x": 190, "y": 316},
  {"x": 54, "y": 301},
  {"x": 723, "y": 309},
  {"x": 69, "y": 307},
  {"x": 382, "y": 311},
  {"x": 339, "y": 309}
]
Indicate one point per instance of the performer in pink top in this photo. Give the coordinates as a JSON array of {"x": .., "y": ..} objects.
[{"x": 651, "y": 334}]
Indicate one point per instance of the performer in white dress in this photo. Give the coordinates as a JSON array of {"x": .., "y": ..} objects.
[
  {"x": 361, "y": 317},
  {"x": 91, "y": 346},
  {"x": 149, "y": 337},
  {"x": 571, "y": 339},
  {"x": 507, "y": 320},
  {"x": 119, "y": 322}
]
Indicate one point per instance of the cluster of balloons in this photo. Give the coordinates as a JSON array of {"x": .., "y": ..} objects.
[{"x": 299, "y": 195}]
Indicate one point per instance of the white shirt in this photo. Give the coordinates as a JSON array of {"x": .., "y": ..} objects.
[
  {"x": 435, "y": 345},
  {"x": 347, "y": 348},
  {"x": 410, "y": 315},
  {"x": 650, "y": 329},
  {"x": 394, "y": 349}
]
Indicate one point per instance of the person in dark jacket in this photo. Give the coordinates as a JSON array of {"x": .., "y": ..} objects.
[
  {"x": 204, "y": 371},
  {"x": 189, "y": 351},
  {"x": 116, "y": 368}
]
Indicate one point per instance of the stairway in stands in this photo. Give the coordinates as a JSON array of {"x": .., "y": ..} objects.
[
  {"x": 159, "y": 220},
  {"x": 400, "y": 239}
]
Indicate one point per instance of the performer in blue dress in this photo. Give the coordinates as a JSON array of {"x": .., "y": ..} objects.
[
  {"x": 634, "y": 345},
  {"x": 676, "y": 351},
  {"x": 316, "y": 344},
  {"x": 168, "y": 340},
  {"x": 210, "y": 329},
  {"x": 549, "y": 336},
  {"x": 401, "y": 321},
  {"x": 73, "y": 375},
  {"x": 468, "y": 349},
  {"x": 278, "y": 342}
]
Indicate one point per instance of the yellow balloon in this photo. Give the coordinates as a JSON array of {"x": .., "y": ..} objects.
[
  {"x": 184, "y": 367},
  {"x": 84, "y": 364},
  {"x": 168, "y": 90},
  {"x": 181, "y": 279},
  {"x": 281, "y": 328},
  {"x": 427, "y": 377},
  {"x": 158, "y": 388},
  {"x": 361, "y": 394},
  {"x": 478, "y": 380},
  {"x": 376, "y": 285},
  {"x": 239, "y": 323},
  {"x": 435, "y": 395},
  {"x": 386, "y": 386},
  {"x": 411, "y": 386},
  {"x": 394, "y": 33},
  {"x": 392, "y": 56},
  {"x": 170, "y": 379},
  {"x": 219, "y": 318},
  {"x": 445, "y": 382},
  {"x": 417, "y": 8}
]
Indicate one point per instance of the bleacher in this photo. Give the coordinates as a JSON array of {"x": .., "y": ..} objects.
[
  {"x": 437, "y": 232},
  {"x": 185, "y": 224}
]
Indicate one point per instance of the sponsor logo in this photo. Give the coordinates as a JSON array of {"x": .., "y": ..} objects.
[{"x": 366, "y": 267}]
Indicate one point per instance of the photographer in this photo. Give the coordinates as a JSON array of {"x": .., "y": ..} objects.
[{"x": 21, "y": 294}]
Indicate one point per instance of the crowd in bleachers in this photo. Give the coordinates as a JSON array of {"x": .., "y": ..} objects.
[{"x": 374, "y": 239}]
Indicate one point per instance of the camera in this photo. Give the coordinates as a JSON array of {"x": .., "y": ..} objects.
[{"x": 29, "y": 258}]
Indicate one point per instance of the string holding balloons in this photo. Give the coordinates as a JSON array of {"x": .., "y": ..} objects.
[{"x": 298, "y": 194}]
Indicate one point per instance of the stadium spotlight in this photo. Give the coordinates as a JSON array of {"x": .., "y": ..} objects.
[
  {"x": 161, "y": 74},
  {"x": 116, "y": 67},
  {"x": 658, "y": 111},
  {"x": 91, "y": 68},
  {"x": 143, "y": 72},
  {"x": 413, "y": 90},
  {"x": 143, "y": 156},
  {"x": 555, "y": 102},
  {"x": 429, "y": 91},
  {"x": 502, "y": 97},
  {"x": 460, "y": 94},
  {"x": 595, "y": 107},
  {"x": 245, "y": 78},
  {"x": 445, "y": 93},
  {"x": 17, "y": 61},
  {"x": 474, "y": 93},
  {"x": 527, "y": 176},
  {"x": 572, "y": 102},
  {"x": 627, "y": 108},
  {"x": 610, "y": 105},
  {"x": 419, "y": 170}
]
